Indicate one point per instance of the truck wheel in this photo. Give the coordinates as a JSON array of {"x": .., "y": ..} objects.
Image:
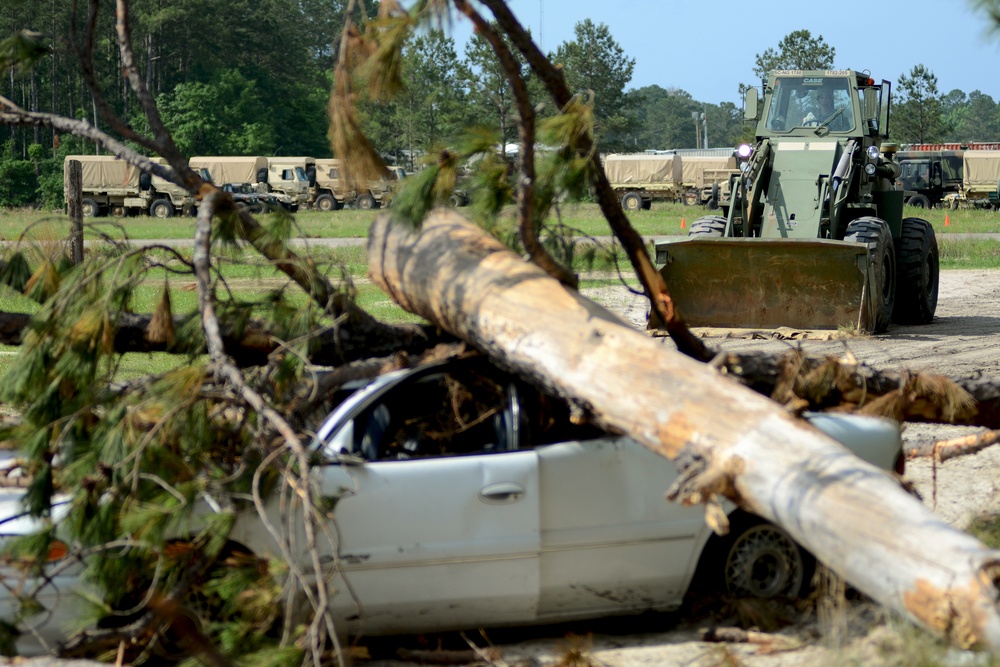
[
  {"x": 365, "y": 202},
  {"x": 710, "y": 225},
  {"x": 89, "y": 208},
  {"x": 326, "y": 203},
  {"x": 691, "y": 198},
  {"x": 632, "y": 201},
  {"x": 875, "y": 230},
  {"x": 118, "y": 211},
  {"x": 917, "y": 262},
  {"x": 161, "y": 208},
  {"x": 954, "y": 204},
  {"x": 919, "y": 201}
]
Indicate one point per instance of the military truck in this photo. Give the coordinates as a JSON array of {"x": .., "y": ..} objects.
[
  {"x": 252, "y": 170},
  {"x": 813, "y": 235},
  {"x": 111, "y": 186},
  {"x": 705, "y": 178},
  {"x": 640, "y": 178},
  {"x": 330, "y": 191},
  {"x": 289, "y": 176},
  {"x": 981, "y": 180},
  {"x": 928, "y": 177}
]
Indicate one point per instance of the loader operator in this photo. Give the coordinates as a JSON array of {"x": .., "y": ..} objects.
[{"x": 837, "y": 117}]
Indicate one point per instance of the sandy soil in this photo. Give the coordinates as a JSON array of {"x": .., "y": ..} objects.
[{"x": 963, "y": 340}]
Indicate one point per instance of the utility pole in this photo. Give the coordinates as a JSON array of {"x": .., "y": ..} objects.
[{"x": 697, "y": 129}]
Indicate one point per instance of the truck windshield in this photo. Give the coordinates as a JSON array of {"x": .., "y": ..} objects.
[{"x": 804, "y": 101}]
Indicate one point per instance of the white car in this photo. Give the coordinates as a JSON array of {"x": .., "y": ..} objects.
[{"x": 466, "y": 498}]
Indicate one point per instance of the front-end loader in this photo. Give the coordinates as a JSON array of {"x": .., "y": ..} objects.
[{"x": 813, "y": 235}]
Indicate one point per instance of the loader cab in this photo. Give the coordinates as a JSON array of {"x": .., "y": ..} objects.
[{"x": 798, "y": 104}]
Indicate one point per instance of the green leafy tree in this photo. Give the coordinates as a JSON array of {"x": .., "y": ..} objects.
[
  {"x": 596, "y": 65},
  {"x": 490, "y": 97},
  {"x": 982, "y": 118},
  {"x": 917, "y": 116},
  {"x": 796, "y": 50},
  {"x": 954, "y": 107},
  {"x": 222, "y": 118},
  {"x": 663, "y": 118}
]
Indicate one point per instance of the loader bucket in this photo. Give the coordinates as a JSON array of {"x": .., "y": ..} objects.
[{"x": 769, "y": 283}]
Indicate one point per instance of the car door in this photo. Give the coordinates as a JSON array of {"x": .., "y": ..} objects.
[
  {"x": 611, "y": 542},
  {"x": 433, "y": 541}
]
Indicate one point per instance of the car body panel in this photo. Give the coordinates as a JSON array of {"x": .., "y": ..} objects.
[{"x": 512, "y": 527}]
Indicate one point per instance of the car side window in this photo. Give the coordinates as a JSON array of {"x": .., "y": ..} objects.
[{"x": 445, "y": 414}]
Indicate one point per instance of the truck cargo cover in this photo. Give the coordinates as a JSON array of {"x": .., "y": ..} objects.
[{"x": 643, "y": 169}]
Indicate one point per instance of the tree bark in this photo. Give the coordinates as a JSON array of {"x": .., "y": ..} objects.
[{"x": 726, "y": 440}]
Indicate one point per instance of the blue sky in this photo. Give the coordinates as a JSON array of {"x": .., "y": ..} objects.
[{"x": 708, "y": 47}]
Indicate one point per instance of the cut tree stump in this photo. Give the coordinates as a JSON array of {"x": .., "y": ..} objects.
[{"x": 727, "y": 440}]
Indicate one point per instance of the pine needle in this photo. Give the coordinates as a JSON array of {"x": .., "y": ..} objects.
[
  {"x": 16, "y": 272},
  {"x": 161, "y": 325}
]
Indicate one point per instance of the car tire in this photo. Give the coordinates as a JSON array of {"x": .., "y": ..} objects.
[
  {"x": 709, "y": 225},
  {"x": 161, "y": 208},
  {"x": 632, "y": 201},
  {"x": 365, "y": 202},
  {"x": 89, "y": 208},
  {"x": 875, "y": 230},
  {"x": 918, "y": 270},
  {"x": 919, "y": 201},
  {"x": 760, "y": 560}
]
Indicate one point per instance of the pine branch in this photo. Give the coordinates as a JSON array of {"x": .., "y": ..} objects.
[{"x": 651, "y": 280}]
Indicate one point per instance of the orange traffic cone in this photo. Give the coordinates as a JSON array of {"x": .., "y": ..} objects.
[
  {"x": 683, "y": 224},
  {"x": 947, "y": 220}
]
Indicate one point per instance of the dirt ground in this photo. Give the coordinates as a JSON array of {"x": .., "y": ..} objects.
[{"x": 963, "y": 340}]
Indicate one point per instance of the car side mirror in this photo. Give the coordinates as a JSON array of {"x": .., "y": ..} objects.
[
  {"x": 871, "y": 104},
  {"x": 751, "y": 108}
]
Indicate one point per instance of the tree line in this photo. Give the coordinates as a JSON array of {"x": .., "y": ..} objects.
[{"x": 262, "y": 86}]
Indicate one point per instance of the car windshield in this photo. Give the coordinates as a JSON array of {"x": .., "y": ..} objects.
[{"x": 803, "y": 101}]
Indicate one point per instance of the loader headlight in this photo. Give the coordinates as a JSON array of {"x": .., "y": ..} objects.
[
  {"x": 873, "y": 152},
  {"x": 870, "y": 169},
  {"x": 744, "y": 151}
]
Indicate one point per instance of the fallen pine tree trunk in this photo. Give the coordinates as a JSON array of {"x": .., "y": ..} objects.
[{"x": 726, "y": 440}]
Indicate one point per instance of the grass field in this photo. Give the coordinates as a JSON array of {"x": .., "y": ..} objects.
[{"x": 662, "y": 219}]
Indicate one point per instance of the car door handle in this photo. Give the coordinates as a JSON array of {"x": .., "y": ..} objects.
[{"x": 502, "y": 492}]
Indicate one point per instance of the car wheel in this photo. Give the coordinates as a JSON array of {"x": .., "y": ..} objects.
[{"x": 762, "y": 561}]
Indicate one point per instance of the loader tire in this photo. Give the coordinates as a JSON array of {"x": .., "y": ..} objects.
[
  {"x": 709, "y": 225},
  {"x": 875, "y": 230},
  {"x": 918, "y": 270}
]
